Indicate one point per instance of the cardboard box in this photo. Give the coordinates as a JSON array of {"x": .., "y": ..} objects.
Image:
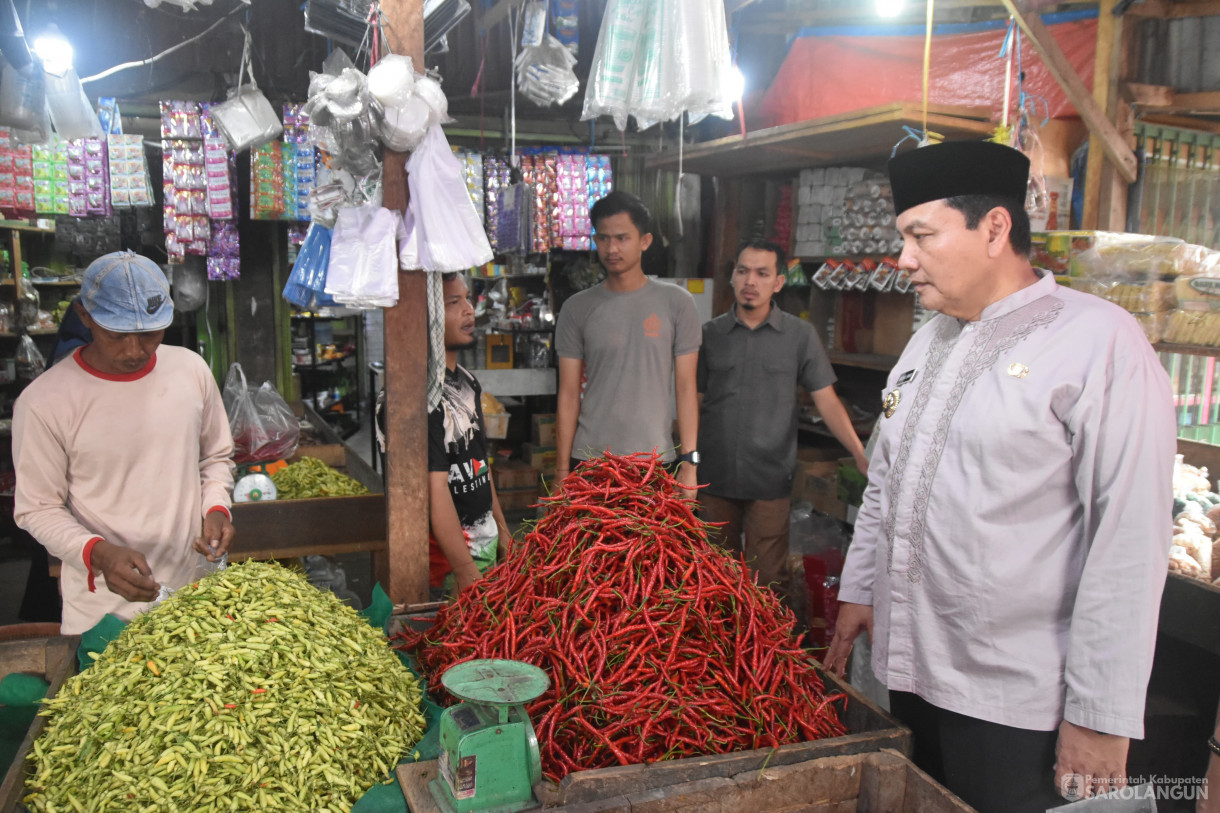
[
  {"x": 542, "y": 430},
  {"x": 496, "y": 425},
  {"x": 540, "y": 458},
  {"x": 822, "y": 494},
  {"x": 518, "y": 499},
  {"x": 513, "y": 475}
]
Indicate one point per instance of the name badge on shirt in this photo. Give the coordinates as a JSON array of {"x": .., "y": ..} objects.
[{"x": 907, "y": 377}]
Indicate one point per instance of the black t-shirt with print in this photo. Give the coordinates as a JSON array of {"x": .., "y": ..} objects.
[{"x": 457, "y": 444}]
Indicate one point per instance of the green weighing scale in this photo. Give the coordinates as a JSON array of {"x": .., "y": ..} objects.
[{"x": 489, "y": 759}]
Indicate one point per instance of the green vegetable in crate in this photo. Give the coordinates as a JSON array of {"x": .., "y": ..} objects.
[
  {"x": 248, "y": 690},
  {"x": 310, "y": 477}
]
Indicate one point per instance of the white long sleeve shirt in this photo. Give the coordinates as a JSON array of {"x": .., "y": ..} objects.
[
  {"x": 137, "y": 460},
  {"x": 1015, "y": 531}
]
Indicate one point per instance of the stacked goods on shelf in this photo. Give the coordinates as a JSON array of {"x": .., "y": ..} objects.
[
  {"x": 845, "y": 211},
  {"x": 1196, "y": 512},
  {"x": 1171, "y": 287}
]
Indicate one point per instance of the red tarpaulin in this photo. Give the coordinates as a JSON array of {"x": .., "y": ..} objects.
[{"x": 836, "y": 70}]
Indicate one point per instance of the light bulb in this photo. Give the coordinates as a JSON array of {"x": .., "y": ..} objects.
[
  {"x": 889, "y": 8},
  {"x": 54, "y": 50},
  {"x": 734, "y": 83}
]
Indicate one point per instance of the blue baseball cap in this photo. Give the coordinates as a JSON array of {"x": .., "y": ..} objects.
[{"x": 127, "y": 293}]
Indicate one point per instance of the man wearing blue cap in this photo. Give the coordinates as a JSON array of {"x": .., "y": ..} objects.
[
  {"x": 123, "y": 452},
  {"x": 1009, "y": 557}
]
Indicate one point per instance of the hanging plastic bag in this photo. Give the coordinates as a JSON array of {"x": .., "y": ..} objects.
[
  {"x": 30, "y": 362},
  {"x": 546, "y": 73},
  {"x": 261, "y": 421},
  {"x": 310, "y": 267},
  {"x": 655, "y": 60},
  {"x": 445, "y": 230},
  {"x": 71, "y": 112},
  {"x": 392, "y": 80},
  {"x": 247, "y": 118},
  {"x": 23, "y": 98},
  {"x": 363, "y": 267}
]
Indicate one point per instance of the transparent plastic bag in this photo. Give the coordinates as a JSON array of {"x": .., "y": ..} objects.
[
  {"x": 263, "y": 425},
  {"x": 23, "y": 98},
  {"x": 363, "y": 267},
  {"x": 392, "y": 80},
  {"x": 444, "y": 231},
  {"x": 656, "y": 60},
  {"x": 30, "y": 362},
  {"x": 247, "y": 118},
  {"x": 546, "y": 73},
  {"x": 71, "y": 112}
]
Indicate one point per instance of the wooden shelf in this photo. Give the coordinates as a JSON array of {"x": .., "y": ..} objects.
[
  {"x": 1186, "y": 349},
  {"x": 57, "y": 282},
  {"x": 866, "y": 135},
  {"x": 21, "y": 225},
  {"x": 39, "y": 332},
  {"x": 864, "y": 361}
]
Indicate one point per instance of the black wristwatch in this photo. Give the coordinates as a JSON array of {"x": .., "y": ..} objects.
[{"x": 690, "y": 457}]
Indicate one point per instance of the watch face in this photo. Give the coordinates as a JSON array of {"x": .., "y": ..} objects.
[{"x": 693, "y": 458}]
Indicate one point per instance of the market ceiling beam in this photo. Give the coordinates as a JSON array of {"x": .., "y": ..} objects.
[
  {"x": 786, "y": 23},
  {"x": 497, "y": 14},
  {"x": 1166, "y": 10},
  {"x": 1114, "y": 145},
  {"x": 406, "y": 366}
]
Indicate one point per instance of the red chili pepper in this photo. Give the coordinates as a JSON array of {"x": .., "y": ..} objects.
[{"x": 658, "y": 644}]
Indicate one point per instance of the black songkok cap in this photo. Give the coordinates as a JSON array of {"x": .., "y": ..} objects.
[{"x": 957, "y": 168}]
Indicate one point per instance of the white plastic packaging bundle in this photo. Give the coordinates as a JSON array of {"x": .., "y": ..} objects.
[
  {"x": 363, "y": 268},
  {"x": 546, "y": 73},
  {"x": 441, "y": 230},
  {"x": 392, "y": 80},
  {"x": 657, "y": 59}
]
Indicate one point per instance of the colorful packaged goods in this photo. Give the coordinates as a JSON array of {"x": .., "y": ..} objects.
[{"x": 128, "y": 169}]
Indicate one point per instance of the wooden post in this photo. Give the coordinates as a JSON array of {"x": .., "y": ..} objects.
[
  {"x": 1105, "y": 194},
  {"x": 405, "y": 567}
]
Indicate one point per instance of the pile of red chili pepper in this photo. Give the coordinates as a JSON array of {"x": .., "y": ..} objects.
[{"x": 658, "y": 644}]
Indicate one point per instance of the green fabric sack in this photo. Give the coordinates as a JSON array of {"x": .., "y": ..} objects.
[{"x": 97, "y": 638}]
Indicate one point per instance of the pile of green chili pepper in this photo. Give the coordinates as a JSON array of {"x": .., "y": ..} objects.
[
  {"x": 310, "y": 477},
  {"x": 248, "y": 690},
  {"x": 658, "y": 644}
]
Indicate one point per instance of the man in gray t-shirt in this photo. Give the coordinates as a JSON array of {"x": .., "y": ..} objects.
[
  {"x": 635, "y": 342},
  {"x": 752, "y": 360}
]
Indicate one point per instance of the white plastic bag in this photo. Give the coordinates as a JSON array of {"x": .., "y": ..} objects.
[
  {"x": 363, "y": 267},
  {"x": 392, "y": 80},
  {"x": 546, "y": 73},
  {"x": 247, "y": 119},
  {"x": 71, "y": 112},
  {"x": 443, "y": 232},
  {"x": 656, "y": 60}
]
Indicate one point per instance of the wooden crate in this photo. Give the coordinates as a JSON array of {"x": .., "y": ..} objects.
[
  {"x": 52, "y": 659},
  {"x": 858, "y": 783},
  {"x": 869, "y": 729},
  {"x": 877, "y": 782}
]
